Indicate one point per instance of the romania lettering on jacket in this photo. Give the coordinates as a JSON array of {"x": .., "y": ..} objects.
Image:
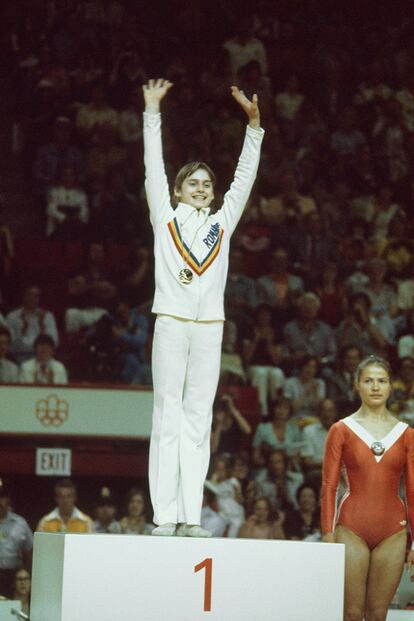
[{"x": 212, "y": 241}]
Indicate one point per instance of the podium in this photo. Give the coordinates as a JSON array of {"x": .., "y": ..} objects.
[
  {"x": 144, "y": 578},
  {"x": 9, "y": 609}
]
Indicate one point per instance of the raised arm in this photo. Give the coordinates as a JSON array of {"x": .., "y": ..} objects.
[
  {"x": 236, "y": 198},
  {"x": 156, "y": 183}
]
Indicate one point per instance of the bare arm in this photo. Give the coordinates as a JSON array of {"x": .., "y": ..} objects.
[{"x": 242, "y": 423}]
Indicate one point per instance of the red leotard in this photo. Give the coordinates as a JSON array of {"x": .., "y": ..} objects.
[{"x": 371, "y": 506}]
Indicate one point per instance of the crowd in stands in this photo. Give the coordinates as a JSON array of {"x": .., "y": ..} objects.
[{"x": 322, "y": 264}]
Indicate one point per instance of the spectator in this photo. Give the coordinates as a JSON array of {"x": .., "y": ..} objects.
[
  {"x": 405, "y": 300},
  {"x": 307, "y": 335},
  {"x": 331, "y": 294},
  {"x": 105, "y": 513},
  {"x": 305, "y": 390},
  {"x": 289, "y": 205},
  {"x": 347, "y": 138},
  {"x": 7, "y": 262},
  {"x": 303, "y": 523},
  {"x": 341, "y": 384},
  {"x": 67, "y": 208},
  {"x": 384, "y": 210},
  {"x": 280, "y": 288},
  {"x": 260, "y": 524},
  {"x": 405, "y": 96},
  {"x": 314, "y": 436},
  {"x": 9, "y": 372},
  {"x": 135, "y": 520},
  {"x": 95, "y": 113},
  {"x": 136, "y": 280},
  {"x": 104, "y": 154},
  {"x": 397, "y": 247},
  {"x": 231, "y": 365},
  {"x": 130, "y": 126},
  {"x": 278, "y": 483},
  {"x": 43, "y": 368},
  {"x": 90, "y": 290},
  {"x": 228, "y": 491},
  {"x": 229, "y": 426},
  {"x": 22, "y": 588},
  {"x": 289, "y": 102},
  {"x": 406, "y": 342},
  {"x": 240, "y": 462},
  {"x": 314, "y": 248},
  {"x": 210, "y": 516},
  {"x": 279, "y": 433},
  {"x": 66, "y": 517},
  {"x": 251, "y": 80},
  {"x": 27, "y": 322},
  {"x": 127, "y": 75},
  {"x": 403, "y": 385},
  {"x": 55, "y": 156},
  {"x": 240, "y": 293},
  {"x": 117, "y": 212},
  {"x": 360, "y": 327},
  {"x": 16, "y": 543},
  {"x": 244, "y": 47},
  {"x": 382, "y": 295},
  {"x": 363, "y": 175},
  {"x": 262, "y": 355},
  {"x": 130, "y": 339}
]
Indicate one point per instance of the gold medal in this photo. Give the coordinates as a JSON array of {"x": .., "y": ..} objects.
[
  {"x": 185, "y": 276},
  {"x": 378, "y": 448}
]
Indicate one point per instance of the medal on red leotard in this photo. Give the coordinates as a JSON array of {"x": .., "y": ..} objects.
[
  {"x": 377, "y": 448},
  {"x": 185, "y": 276}
]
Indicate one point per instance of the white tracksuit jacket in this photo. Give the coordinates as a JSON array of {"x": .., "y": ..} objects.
[{"x": 203, "y": 298}]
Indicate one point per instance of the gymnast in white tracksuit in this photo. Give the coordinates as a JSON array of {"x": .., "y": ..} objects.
[{"x": 191, "y": 247}]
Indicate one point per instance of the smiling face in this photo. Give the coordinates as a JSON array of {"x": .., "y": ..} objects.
[
  {"x": 373, "y": 386},
  {"x": 196, "y": 190},
  {"x": 261, "y": 511}
]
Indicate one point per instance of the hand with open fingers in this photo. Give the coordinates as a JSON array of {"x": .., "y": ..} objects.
[
  {"x": 154, "y": 91},
  {"x": 251, "y": 108}
]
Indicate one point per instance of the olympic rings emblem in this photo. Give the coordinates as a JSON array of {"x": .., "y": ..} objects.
[{"x": 52, "y": 411}]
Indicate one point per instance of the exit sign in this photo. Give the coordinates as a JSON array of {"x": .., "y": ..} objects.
[{"x": 53, "y": 462}]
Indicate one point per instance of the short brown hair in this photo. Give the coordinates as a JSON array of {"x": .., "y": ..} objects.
[
  {"x": 189, "y": 169},
  {"x": 370, "y": 361}
]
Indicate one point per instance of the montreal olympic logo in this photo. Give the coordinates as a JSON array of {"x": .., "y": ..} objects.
[{"x": 52, "y": 411}]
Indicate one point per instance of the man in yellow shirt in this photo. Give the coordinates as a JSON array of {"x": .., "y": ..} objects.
[{"x": 66, "y": 517}]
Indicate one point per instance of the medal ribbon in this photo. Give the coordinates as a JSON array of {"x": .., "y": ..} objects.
[{"x": 199, "y": 267}]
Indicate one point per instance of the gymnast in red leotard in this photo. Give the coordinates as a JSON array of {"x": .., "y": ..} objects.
[{"x": 371, "y": 449}]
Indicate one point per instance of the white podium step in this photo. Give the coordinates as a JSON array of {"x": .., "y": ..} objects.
[{"x": 138, "y": 578}]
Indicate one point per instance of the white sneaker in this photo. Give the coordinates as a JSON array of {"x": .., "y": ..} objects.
[
  {"x": 164, "y": 530},
  {"x": 182, "y": 530},
  {"x": 197, "y": 531}
]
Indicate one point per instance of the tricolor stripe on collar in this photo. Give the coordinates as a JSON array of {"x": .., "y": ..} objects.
[{"x": 199, "y": 267}]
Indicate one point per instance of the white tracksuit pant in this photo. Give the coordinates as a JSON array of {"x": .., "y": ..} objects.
[{"x": 186, "y": 366}]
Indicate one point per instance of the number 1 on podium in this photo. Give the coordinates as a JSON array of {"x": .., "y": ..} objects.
[{"x": 207, "y": 564}]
